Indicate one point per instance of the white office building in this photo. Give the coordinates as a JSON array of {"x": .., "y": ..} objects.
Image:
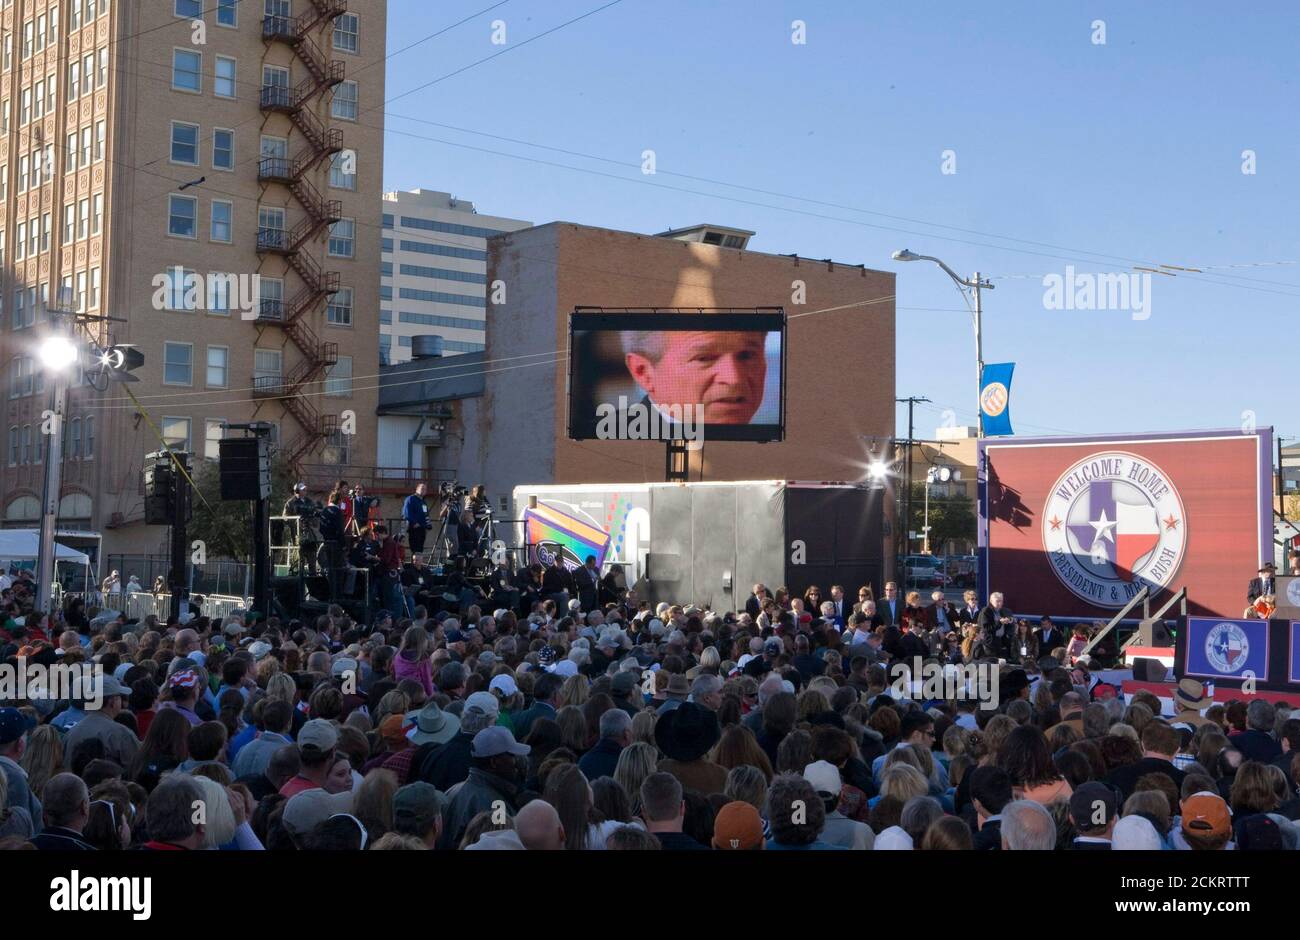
[{"x": 434, "y": 272}]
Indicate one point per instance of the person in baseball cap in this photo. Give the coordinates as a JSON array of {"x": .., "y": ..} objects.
[
  {"x": 1206, "y": 822},
  {"x": 495, "y": 741},
  {"x": 417, "y": 811},
  {"x": 13, "y": 725},
  {"x": 307, "y": 809},
  {"x": 738, "y": 827},
  {"x": 1093, "y": 810}
]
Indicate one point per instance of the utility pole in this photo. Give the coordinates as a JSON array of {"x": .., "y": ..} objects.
[{"x": 912, "y": 402}]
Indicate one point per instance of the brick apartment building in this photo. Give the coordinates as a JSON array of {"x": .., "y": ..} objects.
[{"x": 110, "y": 115}]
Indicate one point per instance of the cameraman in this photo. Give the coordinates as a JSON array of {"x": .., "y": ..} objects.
[{"x": 309, "y": 538}]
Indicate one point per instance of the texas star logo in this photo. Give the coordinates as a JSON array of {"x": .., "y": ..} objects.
[
  {"x": 1114, "y": 524},
  {"x": 1227, "y": 647}
]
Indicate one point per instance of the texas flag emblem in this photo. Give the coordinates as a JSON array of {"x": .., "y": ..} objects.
[{"x": 1121, "y": 534}]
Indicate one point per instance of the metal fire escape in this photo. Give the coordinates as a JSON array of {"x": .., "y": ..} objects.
[{"x": 293, "y": 243}]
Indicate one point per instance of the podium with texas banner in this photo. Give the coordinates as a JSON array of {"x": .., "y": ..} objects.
[{"x": 1231, "y": 653}]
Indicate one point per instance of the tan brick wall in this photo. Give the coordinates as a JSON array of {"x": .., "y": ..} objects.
[{"x": 840, "y": 363}]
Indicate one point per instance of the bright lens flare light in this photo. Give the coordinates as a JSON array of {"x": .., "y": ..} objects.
[
  {"x": 877, "y": 470},
  {"x": 57, "y": 353}
]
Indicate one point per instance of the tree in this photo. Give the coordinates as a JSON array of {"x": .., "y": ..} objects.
[
  {"x": 951, "y": 518},
  {"x": 226, "y": 526}
]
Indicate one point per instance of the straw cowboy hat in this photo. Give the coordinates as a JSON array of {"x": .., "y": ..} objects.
[{"x": 1191, "y": 699}]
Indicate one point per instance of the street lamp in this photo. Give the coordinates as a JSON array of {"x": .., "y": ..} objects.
[
  {"x": 933, "y": 475},
  {"x": 975, "y": 284},
  {"x": 57, "y": 354}
]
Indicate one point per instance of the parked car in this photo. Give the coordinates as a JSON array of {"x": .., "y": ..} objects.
[{"x": 923, "y": 571}]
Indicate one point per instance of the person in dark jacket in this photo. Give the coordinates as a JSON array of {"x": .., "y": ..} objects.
[
  {"x": 545, "y": 689},
  {"x": 1257, "y": 741},
  {"x": 587, "y": 582},
  {"x": 615, "y": 734},
  {"x": 1160, "y": 743},
  {"x": 990, "y": 792},
  {"x": 445, "y": 765},
  {"x": 495, "y": 779},
  {"x": 415, "y": 512},
  {"x": 66, "y": 803}
]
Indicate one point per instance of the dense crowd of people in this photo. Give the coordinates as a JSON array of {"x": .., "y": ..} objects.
[{"x": 601, "y": 723}]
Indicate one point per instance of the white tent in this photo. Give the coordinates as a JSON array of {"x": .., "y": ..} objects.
[{"x": 24, "y": 545}]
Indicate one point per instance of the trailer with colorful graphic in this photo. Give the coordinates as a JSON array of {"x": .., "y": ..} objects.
[{"x": 708, "y": 543}]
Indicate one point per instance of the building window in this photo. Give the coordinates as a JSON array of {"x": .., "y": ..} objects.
[
  {"x": 74, "y": 80},
  {"x": 70, "y": 158},
  {"x": 100, "y": 130},
  {"x": 190, "y": 9},
  {"x": 343, "y": 170},
  {"x": 338, "y": 378},
  {"x": 21, "y": 377},
  {"x": 223, "y": 149},
  {"x": 83, "y": 218},
  {"x": 85, "y": 146},
  {"x": 89, "y": 427},
  {"x": 214, "y": 429},
  {"x": 343, "y": 103},
  {"x": 341, "y": 238},
  {"x": 95, "y": 284},
  {"x": 178, "y": 364},
  {"x": 13, "y": 446},
  {"x": 69, "y": 223},
  {"x": 221, "y": 225},
  {"x": 182, "y": 217},
  {"x": 270, "y": 298},
  {"x": 180, "y": 292},
  {"x": 228, "y": 13},
  {"x": 187, "y": 70},
  {"x": 27, "y": 444},
  {"x": 185, "y": 143},
  {"x": 218, "y": 366},
  {"x": 176, "y": 433},
  {"x": 97, "y": 213},
  {"x": 339, "y": 309},
  {"x": 266, "y": 370},
  {"x": 72, "y": 443},
  {"x": 345, "y": 33},
  {"x": 224, "y": 83},
  {"x": 221, "y": 288},
  {"x": 101, "y": 78},
  {"x": 337, "y": 450}
]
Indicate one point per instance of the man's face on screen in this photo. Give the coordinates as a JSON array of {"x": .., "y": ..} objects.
[{"x": 724, "y": 372}]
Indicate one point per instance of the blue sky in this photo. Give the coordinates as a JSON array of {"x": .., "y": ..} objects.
[{"x": 1099, "y": 156}]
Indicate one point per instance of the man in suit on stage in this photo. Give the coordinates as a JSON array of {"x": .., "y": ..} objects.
[
  {"x": 1266, "y": 583},
  {"x": 890, "y": 607}
]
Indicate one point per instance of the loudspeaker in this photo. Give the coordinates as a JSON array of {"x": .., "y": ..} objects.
[
  {"x": 245, "y": 467},
  {"x": 1148, "y": 670},
  {"x": 1160, "y": 635}
]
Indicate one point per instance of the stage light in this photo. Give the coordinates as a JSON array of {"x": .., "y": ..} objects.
[{"x": 57, "y": 353}]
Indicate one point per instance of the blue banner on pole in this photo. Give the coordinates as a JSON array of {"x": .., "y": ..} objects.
[{"x": 995, "y": 398}]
